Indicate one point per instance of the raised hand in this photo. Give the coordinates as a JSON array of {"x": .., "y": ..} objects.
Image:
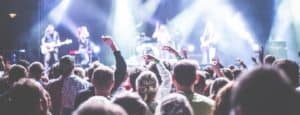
[
  {"x": 184, "y": 52},
  {"x": 109, "y": 41},
  {"x": 241, "y": 63},
  {"x": 261, "y": 54},
  {"x": 169, "y": 49},
  {"x": 148, "y": 57},
  {"x": 254, "y": 60}
]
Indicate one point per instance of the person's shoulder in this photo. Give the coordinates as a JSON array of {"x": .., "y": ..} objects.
[
  {"x": 53, "y": 83},
  {"x": 201, "y": 98},
  {"x": 86, "y": 92},
  {"x": 77, "y": 79}
]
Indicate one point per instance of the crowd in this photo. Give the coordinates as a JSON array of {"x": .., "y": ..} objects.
[{"x": 158, "y": 87}]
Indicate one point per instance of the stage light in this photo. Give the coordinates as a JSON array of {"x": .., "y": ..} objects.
[
  {"x": 12, "y": 15},
  {"x": 148, "y": 9},
  {"x": 58, "y": 13},
  {"x": 96, "y": 49},
  {"x": 124, "y": 30},
  {"x": 285, "y": 30},
  {"x": 186, "y": 20},
  {"x": 190, "y": 48}
]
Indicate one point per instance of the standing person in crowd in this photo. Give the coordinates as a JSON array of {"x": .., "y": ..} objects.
[
  {"x": 264, "y": 91},
  {"x": 48, "y": 46},
  {"x": 290, "y": 68},
  {"x": 132, "y": 103},
  {"x": 27, "y": 97},
  {"x": 99, "y": 105},
  {"x": 103, "y": 82},
  {"x": 174, "y": 104},
  {"x": 64, "y": 89},
  {"x": 163, "y": 75},
  {"x": 147, "y": 86},
  {"x": 184, "y": 77},
  {"x": 36, "y": 70},
  {"x": 217, "y": 84},
  {"x": 222, "y": 106},
  {"x": 15, "y": 73},
  {"x": 133, "y": 74},
  {"x": 106, "y": 82}
]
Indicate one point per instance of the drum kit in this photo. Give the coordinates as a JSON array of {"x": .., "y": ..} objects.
[{"x": 148, "y": 45}]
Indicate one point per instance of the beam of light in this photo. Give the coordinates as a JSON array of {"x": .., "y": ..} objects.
[
  {"x": 230, "y": 31},
  {"x": 281, "y": 23},
  {"x": 124, "y": 31},
  {"x": 294, "y": 5},
  {"x": 228, "y": 26},
  {"x": 69, "y": 24},
  {"x": 285, "y": 31},
  {"x": 58, "y": 13},
  {"x": 238, "y": 26},
  {"x": 279, "y": 33},
  {"x": 147, "y": 10},
  {"x": 54, "y": 17},
  {"x": 185, "y": 21}
]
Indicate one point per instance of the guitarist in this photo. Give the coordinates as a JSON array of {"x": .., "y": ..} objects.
[
  {"x": 208, "y": 41},
  {"x": 50, "y": 38}
]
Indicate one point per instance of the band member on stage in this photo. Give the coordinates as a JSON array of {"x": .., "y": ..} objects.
[
  {"x": 85, "y": 45},
  {"x": 208, "y": 41},
  {"x": 162, "y": 34},
  {"x": 163, "y": 37},
  {"x": 48, "y": 45}
]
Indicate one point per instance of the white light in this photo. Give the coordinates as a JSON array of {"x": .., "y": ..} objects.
[
  {"x": 295, "y": 9},
  {"x": 12, "y": 15},
  {"x": 58, "y": 12},
  {"x": 191, "y": 48},
  {"x": 124, "y": 24},
  {"x": 255, "y": 47},
  {"x": 96, "y": 49}
]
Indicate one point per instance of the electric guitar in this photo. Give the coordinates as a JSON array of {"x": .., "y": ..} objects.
[{"x": 51, "y": 46}]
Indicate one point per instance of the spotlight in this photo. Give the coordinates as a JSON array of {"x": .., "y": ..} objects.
[
  {"x": 96, "y": 49},
  {"x": 191, "y": 48},
  {"x": 12, "y": 15},
  {"x": 255, "y": 47}
]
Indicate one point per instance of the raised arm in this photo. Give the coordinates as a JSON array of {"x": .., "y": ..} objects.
[
  {"x": 166, "y": 84},
  {"x": 242, "y": 64},
  {"x": 121, "y": 67},
  {"x": 173, "y": 51}
]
